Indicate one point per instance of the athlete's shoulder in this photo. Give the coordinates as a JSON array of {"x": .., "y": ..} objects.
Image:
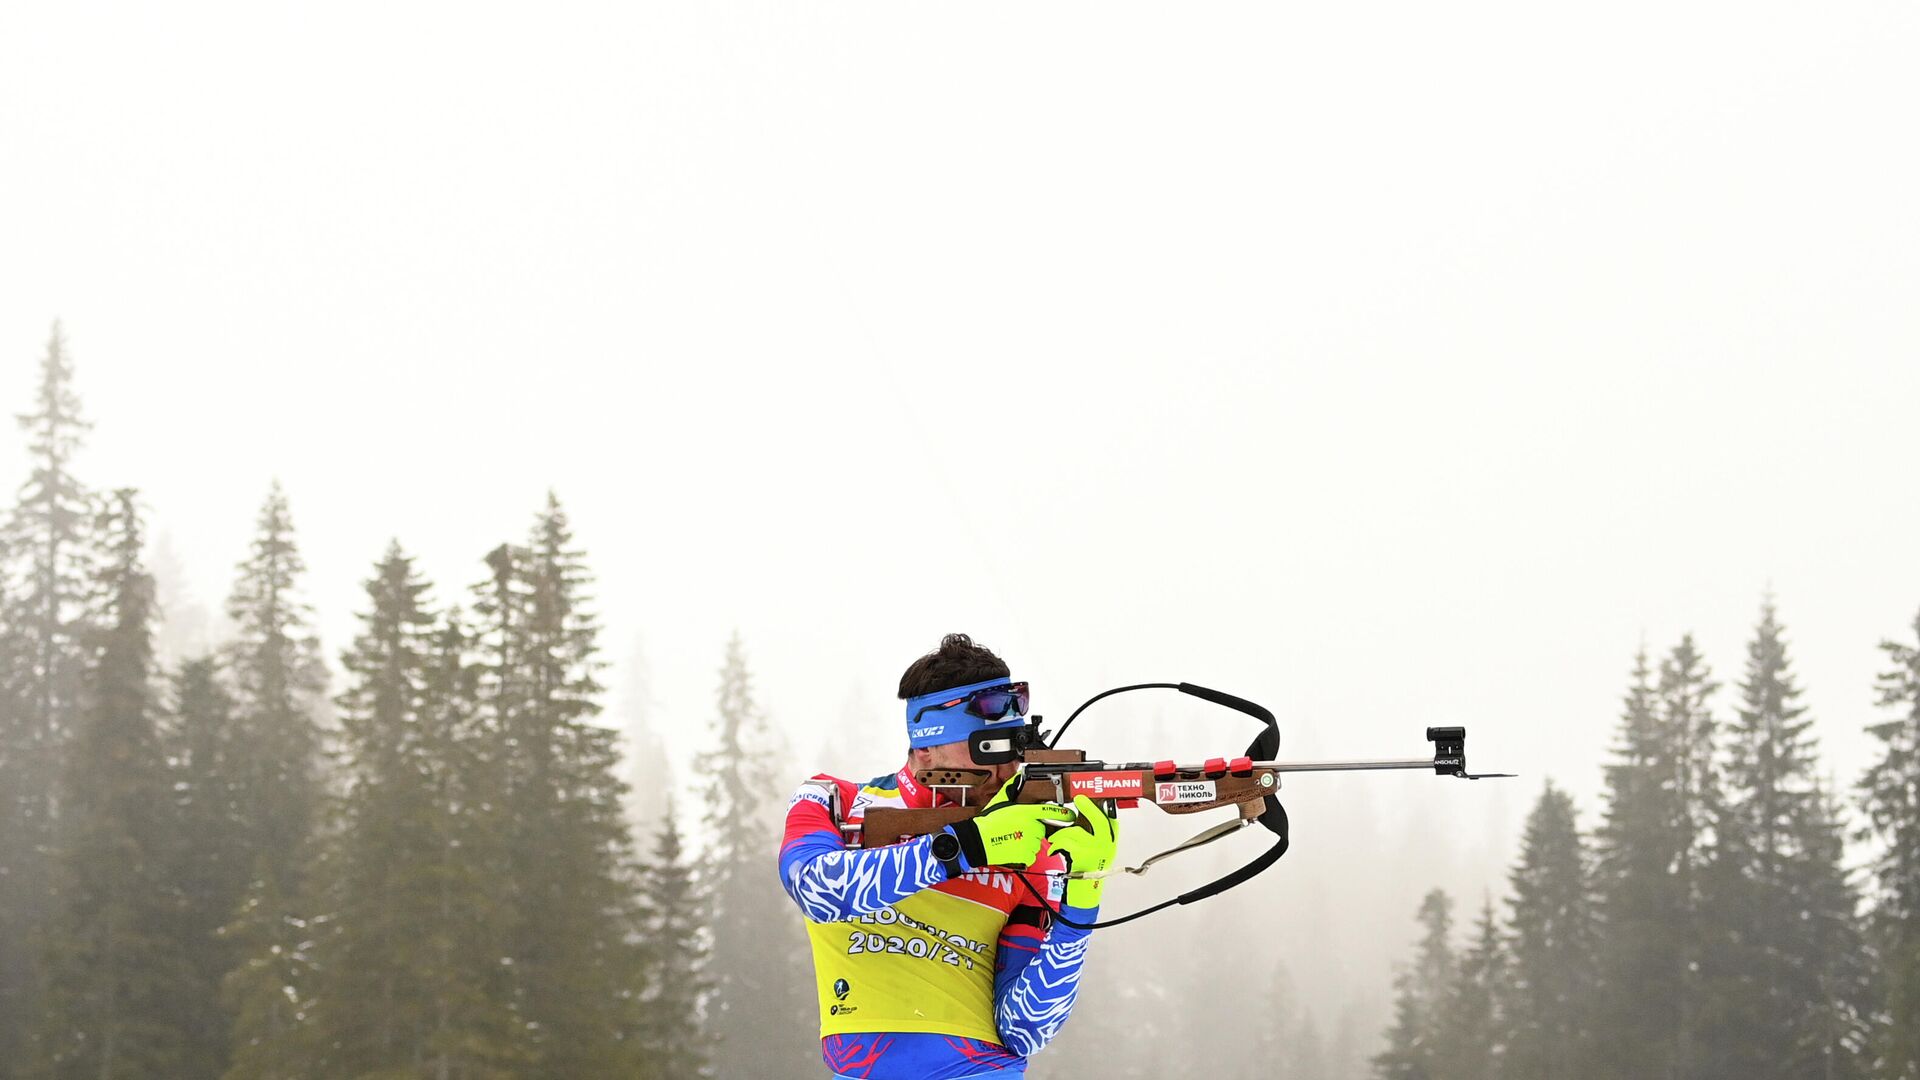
[
  {"x": 839, "y": 795},
  {"x": 819, "y": 805},
  {"x": 828, "y": 792}
]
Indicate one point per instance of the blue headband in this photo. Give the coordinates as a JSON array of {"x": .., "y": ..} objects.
[{"x": 950, "y": 725}]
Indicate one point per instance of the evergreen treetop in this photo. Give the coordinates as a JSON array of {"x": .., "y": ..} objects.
[
  {"x": 1889, "y": 795},
  {"x": 1653, "y": 853},
  {"x": 760, "y": 963},
  {"x": 278, "y": 665},
  {"x": 279, "y": 682},
  {"x": 1421, "y": 994},
  {"x": 1553, "y": 939},
  {"x": 1471, "y": 1039},
  {"x": 54, "y": 509},
  {"x": 48, "y": 537},
  {"x": 675, "y": 1003},
  {"x": 402, "y": 978},
  {"x": 47, "y": 578},
  {"x": 1781, "y": 968},
  {"x": 566, "y": 858},
  {"x": 740, "y": 769},
  {"x": 116, "y": 969}
]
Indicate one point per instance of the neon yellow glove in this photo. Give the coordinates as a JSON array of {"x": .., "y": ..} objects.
[
  {"x": 1007, "y": 833},
  {"x": 1006, "y": 793},
  {"x": 1089, "y": 845}
]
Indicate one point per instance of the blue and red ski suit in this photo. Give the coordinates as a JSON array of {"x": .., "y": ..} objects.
[{"x": 920, "y": 976}]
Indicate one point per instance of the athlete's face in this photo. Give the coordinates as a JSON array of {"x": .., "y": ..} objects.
[{"x": 954, "y": 755}]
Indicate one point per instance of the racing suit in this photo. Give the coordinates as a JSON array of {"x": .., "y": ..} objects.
[{"x": 919, "y": 975}]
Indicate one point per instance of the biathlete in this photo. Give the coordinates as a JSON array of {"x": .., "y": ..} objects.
[{"x": 933, "y": 959}]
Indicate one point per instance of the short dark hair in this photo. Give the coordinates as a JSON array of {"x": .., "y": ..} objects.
[{"x": 957, "y": 662}]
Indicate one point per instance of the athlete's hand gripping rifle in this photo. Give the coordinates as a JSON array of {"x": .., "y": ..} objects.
[{"x": 1247, "y": 783}]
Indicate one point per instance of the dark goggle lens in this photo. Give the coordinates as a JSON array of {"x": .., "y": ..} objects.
[{"x": 999, "y": 702}]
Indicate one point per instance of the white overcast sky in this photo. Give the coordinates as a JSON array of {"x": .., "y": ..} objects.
[{"x": 1391, "y": 364}]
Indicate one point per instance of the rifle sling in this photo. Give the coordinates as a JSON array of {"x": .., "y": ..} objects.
[{"x": 1199, "y": 839}]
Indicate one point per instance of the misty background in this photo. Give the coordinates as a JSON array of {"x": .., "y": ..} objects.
[{"x": 1388, "y": 365}]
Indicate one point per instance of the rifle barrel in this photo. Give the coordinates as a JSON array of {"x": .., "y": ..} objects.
[{"x": 1346, "y": 766}]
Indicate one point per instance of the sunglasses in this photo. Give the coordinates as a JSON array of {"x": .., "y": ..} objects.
[{"x": 990, "y": 703}]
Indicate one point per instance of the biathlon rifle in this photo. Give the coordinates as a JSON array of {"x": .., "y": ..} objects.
[{"x": 1249, "y": 783}]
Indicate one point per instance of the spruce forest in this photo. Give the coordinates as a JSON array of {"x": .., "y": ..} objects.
[
  {"x": 410, "y": 859},
  {"x": 1711, "y": 925},
  {"x": 411, "y": 855}
]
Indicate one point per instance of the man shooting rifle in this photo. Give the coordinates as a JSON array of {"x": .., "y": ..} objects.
[{"x": 940, "y": 957}]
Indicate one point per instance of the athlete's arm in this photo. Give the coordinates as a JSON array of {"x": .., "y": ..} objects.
[
  {"x": 1033, "y": 998},
  {"x": 1038, "y": 977},
  {"x": 832, "y": 883}
]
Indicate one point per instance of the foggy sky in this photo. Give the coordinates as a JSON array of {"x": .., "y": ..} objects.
[{"x": 1387, "y": 364}]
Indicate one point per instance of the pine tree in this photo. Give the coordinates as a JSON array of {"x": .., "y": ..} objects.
[
  {"x": 279, "y": 682},
  {"x": 49, "y": 576},
  {"x": 476, "y": 1034},
  {"x": 115, "y": 968},
  {"x": 401, "y": 983},
  {"x": 1835, "y": 1033},
  {"x": 674, "y": 1035},
  {"x": 212, "y": 860},
  {"x": 1890, "y": 798},
  {"x": 1784, "y": 966},
  {"x": 1471, "y": 1041},
  {"x": 740, "y": 772},
  {"x": 1553, "y": 940},
  {"x": 1637, "y": 988},
  {"x": 1420, "y": 998},
  {"x": 1654, "y": 848},
  {"x": 369, "y": 1009},
  {"x": 17, "y": 848},
  {"x": 761, "y": 967},
  {"x": 567, "y": 857}
]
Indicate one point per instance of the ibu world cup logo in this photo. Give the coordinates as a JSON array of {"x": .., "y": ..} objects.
[{"x": 841, "y": 989}]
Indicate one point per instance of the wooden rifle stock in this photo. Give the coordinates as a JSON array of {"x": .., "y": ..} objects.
[{"x": 890, "y": 825}]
